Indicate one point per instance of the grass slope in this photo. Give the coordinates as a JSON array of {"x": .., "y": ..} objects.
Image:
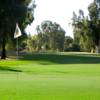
[{"x": 51, "y": 77}]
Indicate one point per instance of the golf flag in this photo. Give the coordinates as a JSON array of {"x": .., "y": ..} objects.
[{"x": 17, "y": 31}]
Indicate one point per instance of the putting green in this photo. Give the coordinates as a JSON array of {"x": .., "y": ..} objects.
[{"x": 51, "y": 77}]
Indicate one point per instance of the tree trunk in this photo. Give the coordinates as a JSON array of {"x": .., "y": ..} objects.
[
  {"x": 99, "y": 44},
  {"x": 3, "y": 53},
  {"x": 96, "y": 50}
]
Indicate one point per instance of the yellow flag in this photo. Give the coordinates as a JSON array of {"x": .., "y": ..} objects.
[{"x": 17, "y": 31}]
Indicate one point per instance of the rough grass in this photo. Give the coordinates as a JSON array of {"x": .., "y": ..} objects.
[{"x": 51, "y": 77}]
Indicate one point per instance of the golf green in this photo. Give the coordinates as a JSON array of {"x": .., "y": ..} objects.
[{"x": 51, "y": 77}]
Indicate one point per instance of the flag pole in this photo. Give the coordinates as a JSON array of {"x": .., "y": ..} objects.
[
  {"x": 17, "y": 34},
  {"x": 17, "y": 49}
]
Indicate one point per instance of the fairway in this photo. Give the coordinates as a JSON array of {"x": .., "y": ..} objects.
[{"x": 62, "y": 76}]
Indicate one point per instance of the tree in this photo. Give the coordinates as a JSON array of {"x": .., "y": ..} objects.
[
  {"x": 31, "y": 43},
  {"x": 68, "y": 41},
  {"x": 94, "y": 12},
  {"x": 51, "y": 35},
  {"x": 82, "y": 32},
  {"x": 11, "y": 12}
]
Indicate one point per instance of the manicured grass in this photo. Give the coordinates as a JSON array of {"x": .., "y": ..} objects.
[{"x": 62, "y": 76}]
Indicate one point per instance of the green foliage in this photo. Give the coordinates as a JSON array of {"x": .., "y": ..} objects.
[
  {"x": 31, "y": 43},
  {"x": 50, "y": 35},
  {"x": 87, "y": 30},
  {"x": 94, "y": 13},
  {"x": 67, "y": 43}
]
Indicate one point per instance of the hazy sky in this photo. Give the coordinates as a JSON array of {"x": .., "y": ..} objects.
[{"x": 60, "y": 11}]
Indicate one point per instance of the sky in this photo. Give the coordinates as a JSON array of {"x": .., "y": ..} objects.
[{"x": 59, "y": 11}]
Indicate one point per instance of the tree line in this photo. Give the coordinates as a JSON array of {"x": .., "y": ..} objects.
[
  {"x": 51, "y": 37},
  {"x": 86, "y": 30}
]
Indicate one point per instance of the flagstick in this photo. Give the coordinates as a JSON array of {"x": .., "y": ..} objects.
[
  {"x": 16, "y": 35},
  {"x": 17, "y": 48},
  {"x": 17, "y": 53}
]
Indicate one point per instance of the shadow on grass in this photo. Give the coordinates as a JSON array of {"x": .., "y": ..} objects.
[
  {"x": 47, "y": 59},
  {"x": 5, "y": 68}
]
